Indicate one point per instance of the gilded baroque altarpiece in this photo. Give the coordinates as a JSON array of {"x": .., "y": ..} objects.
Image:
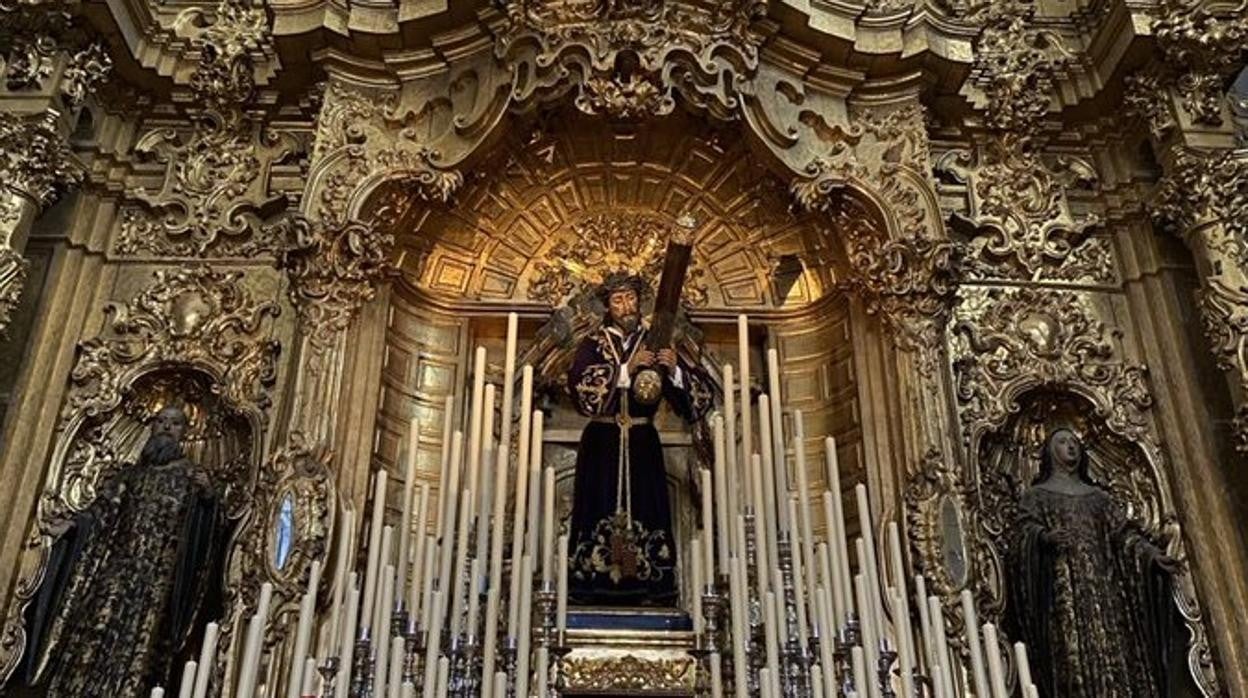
[{"x": 960, "y": 222}]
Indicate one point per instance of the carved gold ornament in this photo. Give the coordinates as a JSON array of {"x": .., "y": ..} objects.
[{"x": 629, "y": 673}]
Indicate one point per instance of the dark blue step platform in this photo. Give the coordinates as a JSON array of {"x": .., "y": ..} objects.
[{"x": 637, "y": 619}]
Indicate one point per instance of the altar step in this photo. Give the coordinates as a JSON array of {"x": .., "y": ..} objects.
[{"x": 617, "y": 651}]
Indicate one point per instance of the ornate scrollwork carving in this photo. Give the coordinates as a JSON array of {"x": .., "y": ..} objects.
[
  {"x": 1201, "y": 45},
  {"x": 227, "y": 46},
  {"x": 334, "y": 269},
  {"x": 602, "y": 243},
  {"x": 13, "y": 268},
  {"x": 191, "y": 317},
  {"x": 215, "y": 191},
  {"x": 35, "y": 160},
  {"x": 629, "y": 673}
]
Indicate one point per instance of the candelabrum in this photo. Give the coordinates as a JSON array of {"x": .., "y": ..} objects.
[
  {"x": 795, "y": 658},
  {"x": 884, "y": 669},
  {"x": 465, "y": 679},
  {"x": 413, "y": 650},
  {"x": 329, "y": 676},
  {"x": 550, "y": 638},
  {"x": 510, "y": 656},
  {"x": 712, "y": 637},
  {"x": 842, "y": 652},
  {"x": 362, "y": 672}
]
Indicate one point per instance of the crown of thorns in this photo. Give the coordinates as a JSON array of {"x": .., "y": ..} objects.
[{"x": 622, "y": 281}]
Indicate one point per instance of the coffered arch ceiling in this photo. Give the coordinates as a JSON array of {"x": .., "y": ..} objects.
[{"x": 553, "y": 206}]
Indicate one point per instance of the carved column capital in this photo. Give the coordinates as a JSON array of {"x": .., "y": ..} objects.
[{"x": 334, "y": 269}]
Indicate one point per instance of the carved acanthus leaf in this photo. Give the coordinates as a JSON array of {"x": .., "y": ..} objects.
[
  {"x": 1202, "y": 44},
  {"x": 35, "y": 160},
  {"x": 334, "y": 269},
  {"x": 228, "y": 46},
  {"x": 13, "y": 270}
]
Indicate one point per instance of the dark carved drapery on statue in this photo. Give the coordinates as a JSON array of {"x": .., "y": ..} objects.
[
  {"x": 1088, "y": 592},
  {"x": 127, "y": 576},
  {"x": 622, "y": 550}
]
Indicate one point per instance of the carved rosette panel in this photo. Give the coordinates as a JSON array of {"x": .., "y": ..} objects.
[
  {"x": 1026, "y": 360},
  {"x": 192, "y": 337}
]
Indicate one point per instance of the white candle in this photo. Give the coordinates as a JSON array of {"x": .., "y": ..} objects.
[
  {"x": 722, "y": 508},
  {"x": 770, "y": 485},
  {"x": 764, "y": 682},
  {"x": 761, "y": 537},
  {"x": 548, "y": 523},
  {"x": 374, "y": 546},
  {"x": 509, "y": 384},
  {"x": 542, "y": 671},
  {"x": 495, "y": 588},
  {"x": 447, "y": 527},
  {"x": 474, "y": 598},
  {"x": 460, "y": 575},
  {"x": 799, "y": 583},
  {"x": 405, "y": 524},
  {"x": 695, "y": 584},
  {"x": 731, "y": 464},
  {"x": 381, "y": 631},
  {"x": 476, "y": 419},
  {"x": 525, "y": 617},
  {"x": 207, "y": 655},
  {"x": 777, "y": 435},
  {"x": 743, "y": 362},
  {"x": 254, "y": 646},
  {"x": 708, "y": 552},
  {"x": 426, "y": 582},
  {"x": 772, "y": 630},
  {"x": 346, "y": 537},
  {"x": 303, "y": 629},
  {"x": 905, "y": 634},
  {"x": 432, "y": 644},
  {"x": 827, "y": 661},
  {"x": 905, "y": 661},
  {"x": 562, "y": 588},
  {"x": 996, "y": 672},
  {"x": 739, "y": 626},
  {"x": 187, "y": 685},
  {"x": 519, "y": 508},
  {"x": 394, "y": 682},
  {"x": 937, "y": 613},
  {"x": 500, "y": 683},
  {"x": 308, "y": 680},
  {"x": 444, "y": 676},
  {"x": 535, "y": 487},
  {"x": 717, "y": 677},
  {"x": 979, "y": 675},
  {"x": 346, "y": 652},
  {"x": 840, "y": 554},
  {"x": 420, "y": 572},
  {"x": 870, "y": 631},
  {"x": 157, "y": 692},
  {"x": 807, "y": 544},
  {"x": 381, "y": 608},
  {"x": 445, "y": 464},
  {"x": 483, "y": 507},
  {"x": 860, "y": 671},
  {"x": 830, "y": 582},
  {"x": 1024, "y": 665},
  {"x": 872, "y": 565}
]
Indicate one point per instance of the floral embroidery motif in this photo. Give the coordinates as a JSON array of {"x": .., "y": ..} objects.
[
  {"x": 621, "y": 551},
  {"x": 594, "y": 387}
]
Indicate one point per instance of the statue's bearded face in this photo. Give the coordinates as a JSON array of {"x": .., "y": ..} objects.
[
  {"x": 165, "y": 443},
  {"x": 622, "y": 306},
  {"x": 1065, "y": 450}
]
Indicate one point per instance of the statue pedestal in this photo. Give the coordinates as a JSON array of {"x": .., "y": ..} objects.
[{"x": 620, "y": 651}]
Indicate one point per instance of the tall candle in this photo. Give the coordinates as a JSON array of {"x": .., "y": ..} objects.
[
  {"x": 426, "y": 582},
  {"x": 996, "y": 672},
  {"x": 771, "y": 642},
  {"x": 187, "y": 685},
  {"x": 816, "y": 682},
  {"x": 254, "y": 646},
  {"x": 405, "y": 524},
  {"x": 799, "y": 584},
  {"x": 460, "y": 575},
  {"x": 860, "y": 671},
  {"x": 535, "y": 487},
  {"x": 743, "y": 362},
  {"x": 474, "y": 598},
  {"x": 207, "y": 656},
  {"x": 905, "y": 635},
  {"x": 382, "y": 631},
  {"x": 433, "y": 637},
  {"x": 346, "y": 653},
  {"x": 696, "y": 560},
  {"x": 736, "y": 473},
  {"x": 828, "y": 640},
  {"x": 308, "y": 680},
  {"x": 979, "y": 675},
  {"x": 519, "y": 508},
  {"x": 873, "y": 566},
  {"x": 925, "y": 622},
  {"x": 870, "y": 635},
  {"x": 303, "y": 629},
  {"x": 777, "y": 434},
  {"x": 495, "y": 588},
  {"x": 722, "y": 508},
  {"x": 905, "y": 653},
  {"x": 346, "y": 534},
  {"x": 548, "y": 523},
  {"x": 394, "y": 682},
  {"x": 841, "y": 553},
  {"x": 157, "y": 692},
  {"x": 446, "y": 464},
  {"x": 447, "y": 527},
  {"x": 807, "y": 544},
  {"x": 419, "y": 571},
  {"x": 525, "y": 637},
  {"x": 708, "y": 552},
  {"x": 740, "y": 625},
  {"x": 374, "y": 546},
  {"x": 483, "y": 506},
  {"x": 543, "y": 671},
  {"x": 1024, "y": 665},
  {"x": 831, "y": 581},
  {"x": 937, "y": 613},
  {"x": 444, "y": 676},
  {"x": 509, "y": 385},
  {"x": 562, "y": 588},
  {"x": 761, "y": 538},
  {"x": 381, "y": 609},
  {"x": 770, "y": 485},
  {"x": 476, "y": 418},
  {"x": 717, "y": 677}
]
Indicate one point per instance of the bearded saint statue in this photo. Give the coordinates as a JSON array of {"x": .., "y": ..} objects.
[
  {"x": 621, "y": 546},
  {"x": 1088, "y": 591},
  {"x": 126, "y": 576}
]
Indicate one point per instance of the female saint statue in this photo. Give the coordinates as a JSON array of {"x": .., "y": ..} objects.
[{"x": 1088, "y": 591}]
